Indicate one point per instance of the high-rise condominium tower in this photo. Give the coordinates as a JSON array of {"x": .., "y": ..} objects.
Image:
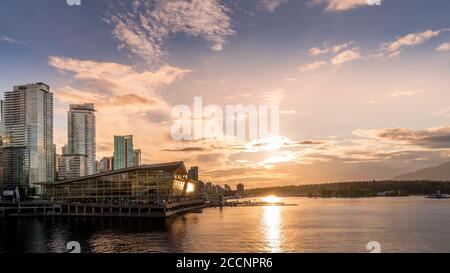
[
  {"x": 1, "y": 145},
  {"x": 123, "y": 152},
  {"x": 81, "y": 135},
  {"x": 28, "y": 150}
]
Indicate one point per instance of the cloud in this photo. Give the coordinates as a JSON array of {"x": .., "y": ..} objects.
[
  {"x": 118, "y": 79},
  {"x": 273, "y": 97},
  {"x": 346, "y": 56},
  {"x": 288, "y": 112},
  {"x": 395, "y": 48},
  {"x": 128, "y": 100},
  {"x": 405, "y": 93},
  {"x": 312, "y": 66},
  {"x": 341, "y": 5},
  {"x": 187, "y": 149},
  {"x": 445, "y": 47},
  {"x": 290, "y": 80},
  {"x": 444, "y": 112},
  {"x": 434, "y": 138},
  {"x": 145, "y": 28},
  {"x": 316, "y": 51},
  {"x": 10, "y": 40},
  {"x": 271, "y": 5}
]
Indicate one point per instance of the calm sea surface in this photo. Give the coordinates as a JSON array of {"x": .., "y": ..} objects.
[{"x": 412, "y": 224}]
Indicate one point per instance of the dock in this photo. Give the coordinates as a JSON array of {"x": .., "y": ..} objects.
[
  {"x": 257, "y": 204},
  {"x": 60, "y": 209}
]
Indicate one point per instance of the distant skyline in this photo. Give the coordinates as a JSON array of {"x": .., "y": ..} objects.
[{"x": 363, "y": 89}]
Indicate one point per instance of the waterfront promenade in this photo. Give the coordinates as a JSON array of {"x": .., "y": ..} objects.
[{"x": 61, "y": 209}]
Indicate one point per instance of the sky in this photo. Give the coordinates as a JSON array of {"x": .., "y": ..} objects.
[{"x": 363, "y": 89}]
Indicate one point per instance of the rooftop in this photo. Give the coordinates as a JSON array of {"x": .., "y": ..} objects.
[{"x": 172, "y": 166}]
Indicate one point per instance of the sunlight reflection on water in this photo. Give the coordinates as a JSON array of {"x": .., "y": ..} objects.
[
  {"x": 272, "y": 223},
  {"x": 413, "y": 224}
]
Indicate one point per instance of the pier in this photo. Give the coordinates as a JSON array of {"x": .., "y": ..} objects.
[{"x": 61, "y": 209}]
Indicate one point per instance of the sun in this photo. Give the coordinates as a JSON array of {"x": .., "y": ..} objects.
[
  {"x": 190, "y": 188},
  {"x": 271, "y": 199}
]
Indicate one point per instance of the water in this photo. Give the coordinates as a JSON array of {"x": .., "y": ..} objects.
[{"x": 412, "y": 224}]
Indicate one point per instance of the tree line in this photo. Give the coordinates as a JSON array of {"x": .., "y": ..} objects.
[{"x": 356, "y": 189}]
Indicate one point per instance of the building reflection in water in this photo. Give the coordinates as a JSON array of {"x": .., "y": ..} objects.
[{"x": 272, "y": 229}]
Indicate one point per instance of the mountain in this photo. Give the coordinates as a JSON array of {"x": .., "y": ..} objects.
[{"x": 439, "y": 173}]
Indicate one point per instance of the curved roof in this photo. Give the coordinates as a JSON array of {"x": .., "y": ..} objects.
[{"x": 169, "y": 167}]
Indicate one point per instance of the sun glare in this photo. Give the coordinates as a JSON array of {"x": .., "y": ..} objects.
[
  {"x": 271, "y": 199},
  {"x": 190, "y": 188}
]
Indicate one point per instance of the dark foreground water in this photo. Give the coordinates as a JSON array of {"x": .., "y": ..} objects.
[{"x": 412, "y": 224}]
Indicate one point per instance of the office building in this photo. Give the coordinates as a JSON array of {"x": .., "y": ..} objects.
[
  {"x": 72, "y": 166},
  {"x": 208, "y": 187},
  {"x": 106, "y": 164},
  {"x": 241, "y": 189},
  {"x": 193, "y": 173},
  {"x": 28, "y": 151},
  {"x": 137, "y": 158},
  {"x": 123, "y": 152}
]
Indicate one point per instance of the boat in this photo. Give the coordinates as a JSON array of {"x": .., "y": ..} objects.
[{"x": 438, "y": 195}]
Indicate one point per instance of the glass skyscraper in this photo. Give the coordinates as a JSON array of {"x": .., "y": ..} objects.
[
  {"x": 81, "y": 135},
  {"x": 28, "y": 150},
  {"x": 123, "y": 152},
  {"x": 2, "y": 129}
]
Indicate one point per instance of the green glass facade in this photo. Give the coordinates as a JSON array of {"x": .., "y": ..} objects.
[
  {"x": 145, "y": 185},
  {"x": 123, "y": 152}
]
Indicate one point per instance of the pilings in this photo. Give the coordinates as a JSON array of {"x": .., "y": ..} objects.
[{"x": 30, "y": 209}]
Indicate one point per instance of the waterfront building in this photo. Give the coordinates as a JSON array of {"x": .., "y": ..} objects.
[
  {"x": 106, "y": 164},
  {"x": 240, "y": 189},
  {"x": 208, "y": 187},
  {"x": 81, "y": 134},
  {"x": 227, "y": 188},
  {"x": 28, "y": 150},
  {"x": 219, "y": 189},
  {"x": 201, "y": 187},
  {"x": 137, "y": 157},
  {"x": 123, "y": 152},
  {"x": 158, "y": 184},
  {"x": 193, "y": 173}
]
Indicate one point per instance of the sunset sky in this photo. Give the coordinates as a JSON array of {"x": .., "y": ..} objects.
[{"x": 364, "y": 90}]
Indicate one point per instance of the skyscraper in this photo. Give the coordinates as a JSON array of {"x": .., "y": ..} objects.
[
  {"x": 123, "y": 152},
  {"x": 2, "y": 129},
  {"x": 81, "y": 135},
  {"x": 137, "y": 157},
  {"x": 28, "y": 141},
  {"x": 2, "y": 113},
  {"x": 193, "y": 173}
]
